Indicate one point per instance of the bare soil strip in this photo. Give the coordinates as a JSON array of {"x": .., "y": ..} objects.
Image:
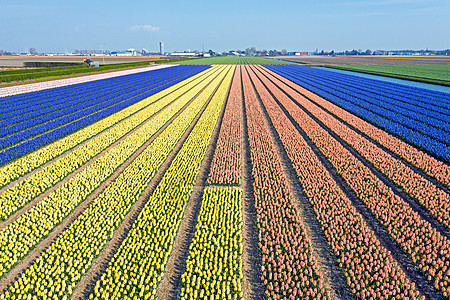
[
  {"x": 223, "y": 187},
  {"x": 252, "y": 286},
  {"x": 333, "y": 277},
  {"x": 100, "y": 264},
  {"x": 170, "y": 285},
  {"x": 381, "y": 233},
  {"x": 45, "y": 243}
]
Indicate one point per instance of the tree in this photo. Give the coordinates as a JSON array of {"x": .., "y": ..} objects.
[
  {"x": 284, "y": 52},
  {"x": 250, "y": 51},
  {"x": 32, "y": 51},
  {"x": 211, "y": 52},
  {"x": 368, "y": 52}
]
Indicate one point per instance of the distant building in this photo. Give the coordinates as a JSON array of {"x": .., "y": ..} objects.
[
  {"x": 161, "y": 48},
  {"x": 129, "y": 52},
  {"x": 191, "y": 54}
]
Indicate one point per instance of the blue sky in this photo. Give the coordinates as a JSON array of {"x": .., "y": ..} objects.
[{"x": 49, "y": 25}]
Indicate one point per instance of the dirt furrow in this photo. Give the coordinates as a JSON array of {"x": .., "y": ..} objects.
[
  {"x": 57, "y": 231},
  {"x": 88, "y": 140},
  {"x": 170, "y": 285},
  {"x": 30, "y": 204},
  {"x": 87, "y": 282},
  {"x": 252, "y": 286},
  {"x": 333, "y": 277},
  {"x": 412, "y": 203},
  {"x": 381, "y": 233}
]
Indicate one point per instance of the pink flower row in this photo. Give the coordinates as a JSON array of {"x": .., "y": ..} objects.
[
  {"x": 428, "y": 195},
  {"x": 427, "y": 248},
  {"x": 288, "y": 267},
  {"x": 368, "y": 267},
  {"x": 225, "y": 166},
  {"x": 428, "y": 164}
]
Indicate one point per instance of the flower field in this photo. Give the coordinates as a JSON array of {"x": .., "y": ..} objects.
[
  {"x": 439, "y": 74},
  {"x": 235, "y": 180}
]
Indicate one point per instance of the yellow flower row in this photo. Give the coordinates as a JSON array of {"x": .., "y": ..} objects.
[
  {"x": 26, "y": 190},
  {"x": 137, "y": 267},
  {"x": 214, "y": 264},
  {"x": 30, "y": 162},
  {"x": 72, "y": 254},
  {"x": 17, "y": 239}
]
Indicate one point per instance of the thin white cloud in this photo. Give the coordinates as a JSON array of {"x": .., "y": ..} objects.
[{"x": 144, "y": 27}]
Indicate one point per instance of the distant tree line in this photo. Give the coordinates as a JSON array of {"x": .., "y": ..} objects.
[{"x": 252, "y": 51}]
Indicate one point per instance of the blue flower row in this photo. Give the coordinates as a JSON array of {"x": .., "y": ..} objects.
[
  {"x": 413, "y": 105},
  {"x": 352, "y": 101},
  {"x": 35, "y": 121},
  {"x": 49, "y": 136},
  {"x": 57, "y": 100}
]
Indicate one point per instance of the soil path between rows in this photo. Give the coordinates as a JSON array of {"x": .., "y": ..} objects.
[
  {"x": 100, "y": 264},
  {"x": 58, "y": 230},
  {"x": 333, "y": 278},
  {"x": 252, "y": 286},
  {"x": 380, "y": 232},
  {"x": 67, "y": 152},
  {"x": 39, "y": 198},
  {"x": 170, "y": 285}
]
